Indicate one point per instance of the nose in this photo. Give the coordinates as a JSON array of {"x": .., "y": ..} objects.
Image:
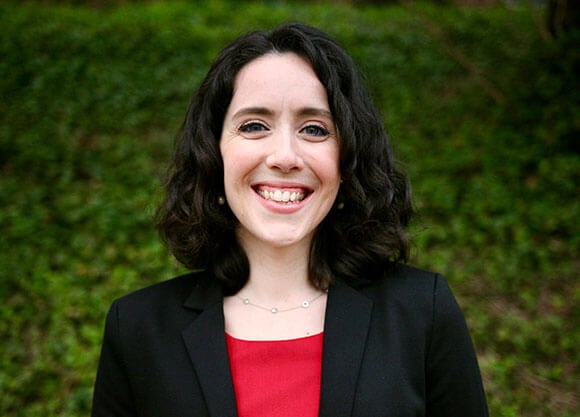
[{"x": 284, "y": 153}]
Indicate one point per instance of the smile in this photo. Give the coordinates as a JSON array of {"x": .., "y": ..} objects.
[{"x": 288, "y": 196}]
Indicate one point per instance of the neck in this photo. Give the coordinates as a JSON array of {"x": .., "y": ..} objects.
[
  {"x": 278, "y": 281},
  {"x": 278, "y": 273}
]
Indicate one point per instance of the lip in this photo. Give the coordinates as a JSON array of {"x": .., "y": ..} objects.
[{"x": 282, "y": 207}]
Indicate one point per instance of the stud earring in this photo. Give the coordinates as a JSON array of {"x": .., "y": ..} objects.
[
  {"x": 340, "y": 206},
  {"x": 221, "y": 200}
]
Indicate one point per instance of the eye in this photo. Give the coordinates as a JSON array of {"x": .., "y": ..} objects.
[
  {"x": 315, "y": 131},
  {"x": 253, "y": 128}
]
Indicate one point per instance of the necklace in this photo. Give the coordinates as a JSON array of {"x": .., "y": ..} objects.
[{"x": 274, "y": 310}]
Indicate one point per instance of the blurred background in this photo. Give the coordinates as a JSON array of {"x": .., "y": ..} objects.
[{"x": 482, "y": 102}]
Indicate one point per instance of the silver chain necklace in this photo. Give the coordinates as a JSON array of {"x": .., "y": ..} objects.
[{"x": 274, "y": 310}]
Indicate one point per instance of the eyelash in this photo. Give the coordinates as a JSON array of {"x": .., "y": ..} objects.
[
  {"x": 320, "y": 131},
  {"x": 249, "y": 127},
  {"x": 258, "y": 128}
]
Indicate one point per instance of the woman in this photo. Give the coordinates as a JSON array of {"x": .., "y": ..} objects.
[{"x": 284, "y": 197}]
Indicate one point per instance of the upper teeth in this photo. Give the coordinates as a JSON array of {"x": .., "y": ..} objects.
[{"x": 282, "y": 196}]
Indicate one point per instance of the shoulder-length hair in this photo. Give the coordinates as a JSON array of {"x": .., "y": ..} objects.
[{"x": 366, "y": 229}]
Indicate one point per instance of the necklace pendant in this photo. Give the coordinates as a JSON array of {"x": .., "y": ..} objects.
[{"x": 274, "y": 310}]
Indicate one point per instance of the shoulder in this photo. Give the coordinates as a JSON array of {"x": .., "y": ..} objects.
[
  {"x": 160, "y": 311},
  {"x": 169, "y": 295},
  {"x": 410, "y": 292},
  {"x": 175, "y": 289},
  {"x": 402, "y": 281}
]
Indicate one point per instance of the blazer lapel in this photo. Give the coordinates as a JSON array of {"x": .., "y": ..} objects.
[
  {"x": 206, "y": 344},
  {"x": 347, "y": 321},
  {"x": 346, "y": 326}
]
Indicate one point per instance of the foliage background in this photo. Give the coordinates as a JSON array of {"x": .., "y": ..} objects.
[{"x": 483, "y": 110}]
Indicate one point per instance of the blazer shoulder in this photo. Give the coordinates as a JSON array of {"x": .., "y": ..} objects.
[
  {"x": 404, "y": 279},
  {"x": 409, "y": 291},
  {"x": 174, "y": 291}
]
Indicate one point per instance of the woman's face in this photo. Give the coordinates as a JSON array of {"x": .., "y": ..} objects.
[{"x": 280, "y": 151}]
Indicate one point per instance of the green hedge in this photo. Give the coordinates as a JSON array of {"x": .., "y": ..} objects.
[{"x": 91, "y": 101}]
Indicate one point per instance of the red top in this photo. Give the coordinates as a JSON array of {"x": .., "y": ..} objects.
[{"x": 279, "y": 378}]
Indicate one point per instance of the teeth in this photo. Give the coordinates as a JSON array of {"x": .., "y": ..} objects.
[{"x": 282, "y": 196}]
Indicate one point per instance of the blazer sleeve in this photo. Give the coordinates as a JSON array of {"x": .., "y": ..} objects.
[
  {"x": 454, "y": 386},
  {"x": 112, "y": 394}
]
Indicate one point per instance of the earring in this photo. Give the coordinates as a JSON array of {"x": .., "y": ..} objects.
[
  {"x": 221, "y": 200},
  {"x": 340, "y": 206}
]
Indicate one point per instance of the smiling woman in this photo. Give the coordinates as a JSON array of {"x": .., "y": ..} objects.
[
  {"x": 280, "y": 153},
  {"x": 285, "y": 198}
]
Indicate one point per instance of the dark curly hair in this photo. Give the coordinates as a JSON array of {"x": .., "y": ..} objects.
[{"x": 368, "y": 232}]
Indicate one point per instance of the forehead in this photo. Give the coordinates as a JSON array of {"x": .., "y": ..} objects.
[{"x": 276, "y": 78}]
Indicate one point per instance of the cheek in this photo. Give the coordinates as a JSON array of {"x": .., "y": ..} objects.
[
  {"x": 329, "y": 169},
  {"x": 229, "y": 172},
  {"x": 231, "y": 175},
  {"x": 237, "y": 164}
]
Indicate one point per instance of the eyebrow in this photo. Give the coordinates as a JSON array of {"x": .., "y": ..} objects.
[
  {"x": 306, "y": 111},
  {"x": 313, "y": 111},
  {"x": 252, "y": 110}
]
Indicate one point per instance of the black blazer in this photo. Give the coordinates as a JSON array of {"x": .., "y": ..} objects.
[{"x": 398, "y": 347}]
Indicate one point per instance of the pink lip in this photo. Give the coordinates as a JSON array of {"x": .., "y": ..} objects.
[
  {"x": 281, "y": 185},
  {"x": 278, "y": 207}
]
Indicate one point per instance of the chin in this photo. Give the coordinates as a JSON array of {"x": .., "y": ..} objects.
[{"x": 281, "y": 240}]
